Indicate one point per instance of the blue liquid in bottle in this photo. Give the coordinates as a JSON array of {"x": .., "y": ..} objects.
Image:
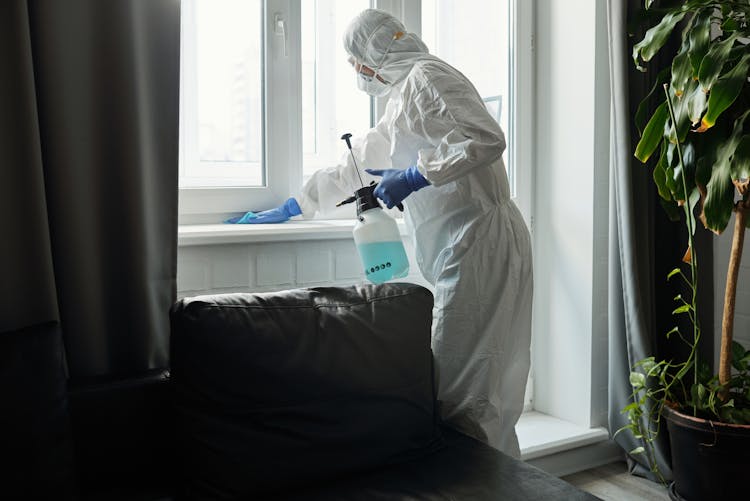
[{"x": 384, "y": 261}]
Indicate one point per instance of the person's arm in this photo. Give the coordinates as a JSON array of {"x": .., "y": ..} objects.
[
  {"x": 462, "y": 134},
  {"x": 331, "y": 185}
]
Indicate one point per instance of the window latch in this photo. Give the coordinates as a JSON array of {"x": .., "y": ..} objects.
[{"x": 279, "y": 27}]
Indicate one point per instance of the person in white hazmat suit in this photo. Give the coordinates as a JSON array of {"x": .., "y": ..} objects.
[{"x": 439, "y": 150}]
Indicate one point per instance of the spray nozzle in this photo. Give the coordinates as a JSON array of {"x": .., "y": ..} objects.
[
  {"x": 346, "y": 201},
  {"x": 365, "y": 198},
  {"x": 366, "y": 192},
  {"x": 346, "y": 137}
]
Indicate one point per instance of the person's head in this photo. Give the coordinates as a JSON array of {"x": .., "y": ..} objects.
[{"x": 381, "y": 50}]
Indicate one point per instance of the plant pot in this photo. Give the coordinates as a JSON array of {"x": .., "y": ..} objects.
[{"x": 710, "y": 460}]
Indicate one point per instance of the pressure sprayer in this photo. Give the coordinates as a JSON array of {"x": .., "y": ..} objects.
[{"x": 376, "y": 233}]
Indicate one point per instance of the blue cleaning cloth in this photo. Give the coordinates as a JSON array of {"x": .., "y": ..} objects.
[{"x": 289, "y": 209}]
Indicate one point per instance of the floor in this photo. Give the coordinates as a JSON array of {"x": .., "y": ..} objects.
[{"x": 612, "y": 482}]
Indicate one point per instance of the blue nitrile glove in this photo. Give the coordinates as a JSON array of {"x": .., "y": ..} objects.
[
  {"x": 277, "y": 215},
  {"x": 397, "y": 184}
]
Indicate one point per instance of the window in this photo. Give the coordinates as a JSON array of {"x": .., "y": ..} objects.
[
  {"x": 223, "y": 131},
  {"x": 331, "y": 103},
  {"x": 267, "y": 92},
  {"x": 454, "y": 32}
]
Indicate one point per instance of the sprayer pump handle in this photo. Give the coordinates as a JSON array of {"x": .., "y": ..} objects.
[{"x": 346, "y": 137}]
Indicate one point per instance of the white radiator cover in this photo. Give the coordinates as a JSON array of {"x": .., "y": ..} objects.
[{"x": 275, "y": 265}]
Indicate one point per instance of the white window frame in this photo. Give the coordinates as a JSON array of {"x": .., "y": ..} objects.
[
  {"x": 321, "y": 159},
  {"x": 522, "y": 91},
  {"x": 323, "y": 121},
  {"x": 282, "y": 138},
  {"x": 282, "y": 93}
]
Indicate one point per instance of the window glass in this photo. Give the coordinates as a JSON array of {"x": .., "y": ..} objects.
[
  {"x": 455, "y": 32},
  {"x": 222, "y": 93},
  {"x": 331, "y": 102},
  {"x": 223, "y": 63}
]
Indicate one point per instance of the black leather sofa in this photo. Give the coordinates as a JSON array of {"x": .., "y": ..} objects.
[
  {"x": 326, "y": 394},
  {"x": 314, "y": 394}
]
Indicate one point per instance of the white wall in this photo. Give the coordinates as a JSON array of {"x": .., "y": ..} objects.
[{"x": 570, "y": 228}]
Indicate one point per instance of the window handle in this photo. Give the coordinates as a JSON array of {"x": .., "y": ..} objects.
[{"x": 279, "y": 27}]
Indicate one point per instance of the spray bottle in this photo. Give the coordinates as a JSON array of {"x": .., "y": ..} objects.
[{"x": 376, "y": 234}]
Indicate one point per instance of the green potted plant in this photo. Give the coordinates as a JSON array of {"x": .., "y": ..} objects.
[{"x": 698, "y": 139}]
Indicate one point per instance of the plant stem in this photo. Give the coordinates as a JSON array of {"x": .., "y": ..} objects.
[
  {"x": 730, "y": 296},
  {"x": 693, "y": 254}
]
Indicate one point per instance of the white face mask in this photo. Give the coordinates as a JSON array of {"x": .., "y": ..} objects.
[{"x": 372, "y": 85}]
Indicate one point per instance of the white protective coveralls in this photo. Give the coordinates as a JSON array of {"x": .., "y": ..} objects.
[{"x": 470, "y": 239}]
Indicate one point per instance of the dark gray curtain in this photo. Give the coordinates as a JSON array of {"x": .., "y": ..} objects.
[
  {"x": 644, "y": 244},
  {"x": 89, "y": 106},
  {"x": 632, "y": 321}
]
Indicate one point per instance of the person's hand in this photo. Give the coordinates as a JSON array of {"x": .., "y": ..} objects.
[
  {"x": 397, "y": 184},
  {"x": 277, "y": 215}
]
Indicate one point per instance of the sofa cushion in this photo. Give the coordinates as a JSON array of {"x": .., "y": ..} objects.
[
  {"x": 465, "y": 469},
  {"x": 278, "y": 390}
]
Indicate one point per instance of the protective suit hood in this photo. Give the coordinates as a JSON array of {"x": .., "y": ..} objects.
[{"x": 372, "y": 33}]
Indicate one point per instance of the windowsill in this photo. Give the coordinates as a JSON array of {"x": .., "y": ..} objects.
[
  {"x": 293, "y": 230},
  {"x": 543, "y": 435}
]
